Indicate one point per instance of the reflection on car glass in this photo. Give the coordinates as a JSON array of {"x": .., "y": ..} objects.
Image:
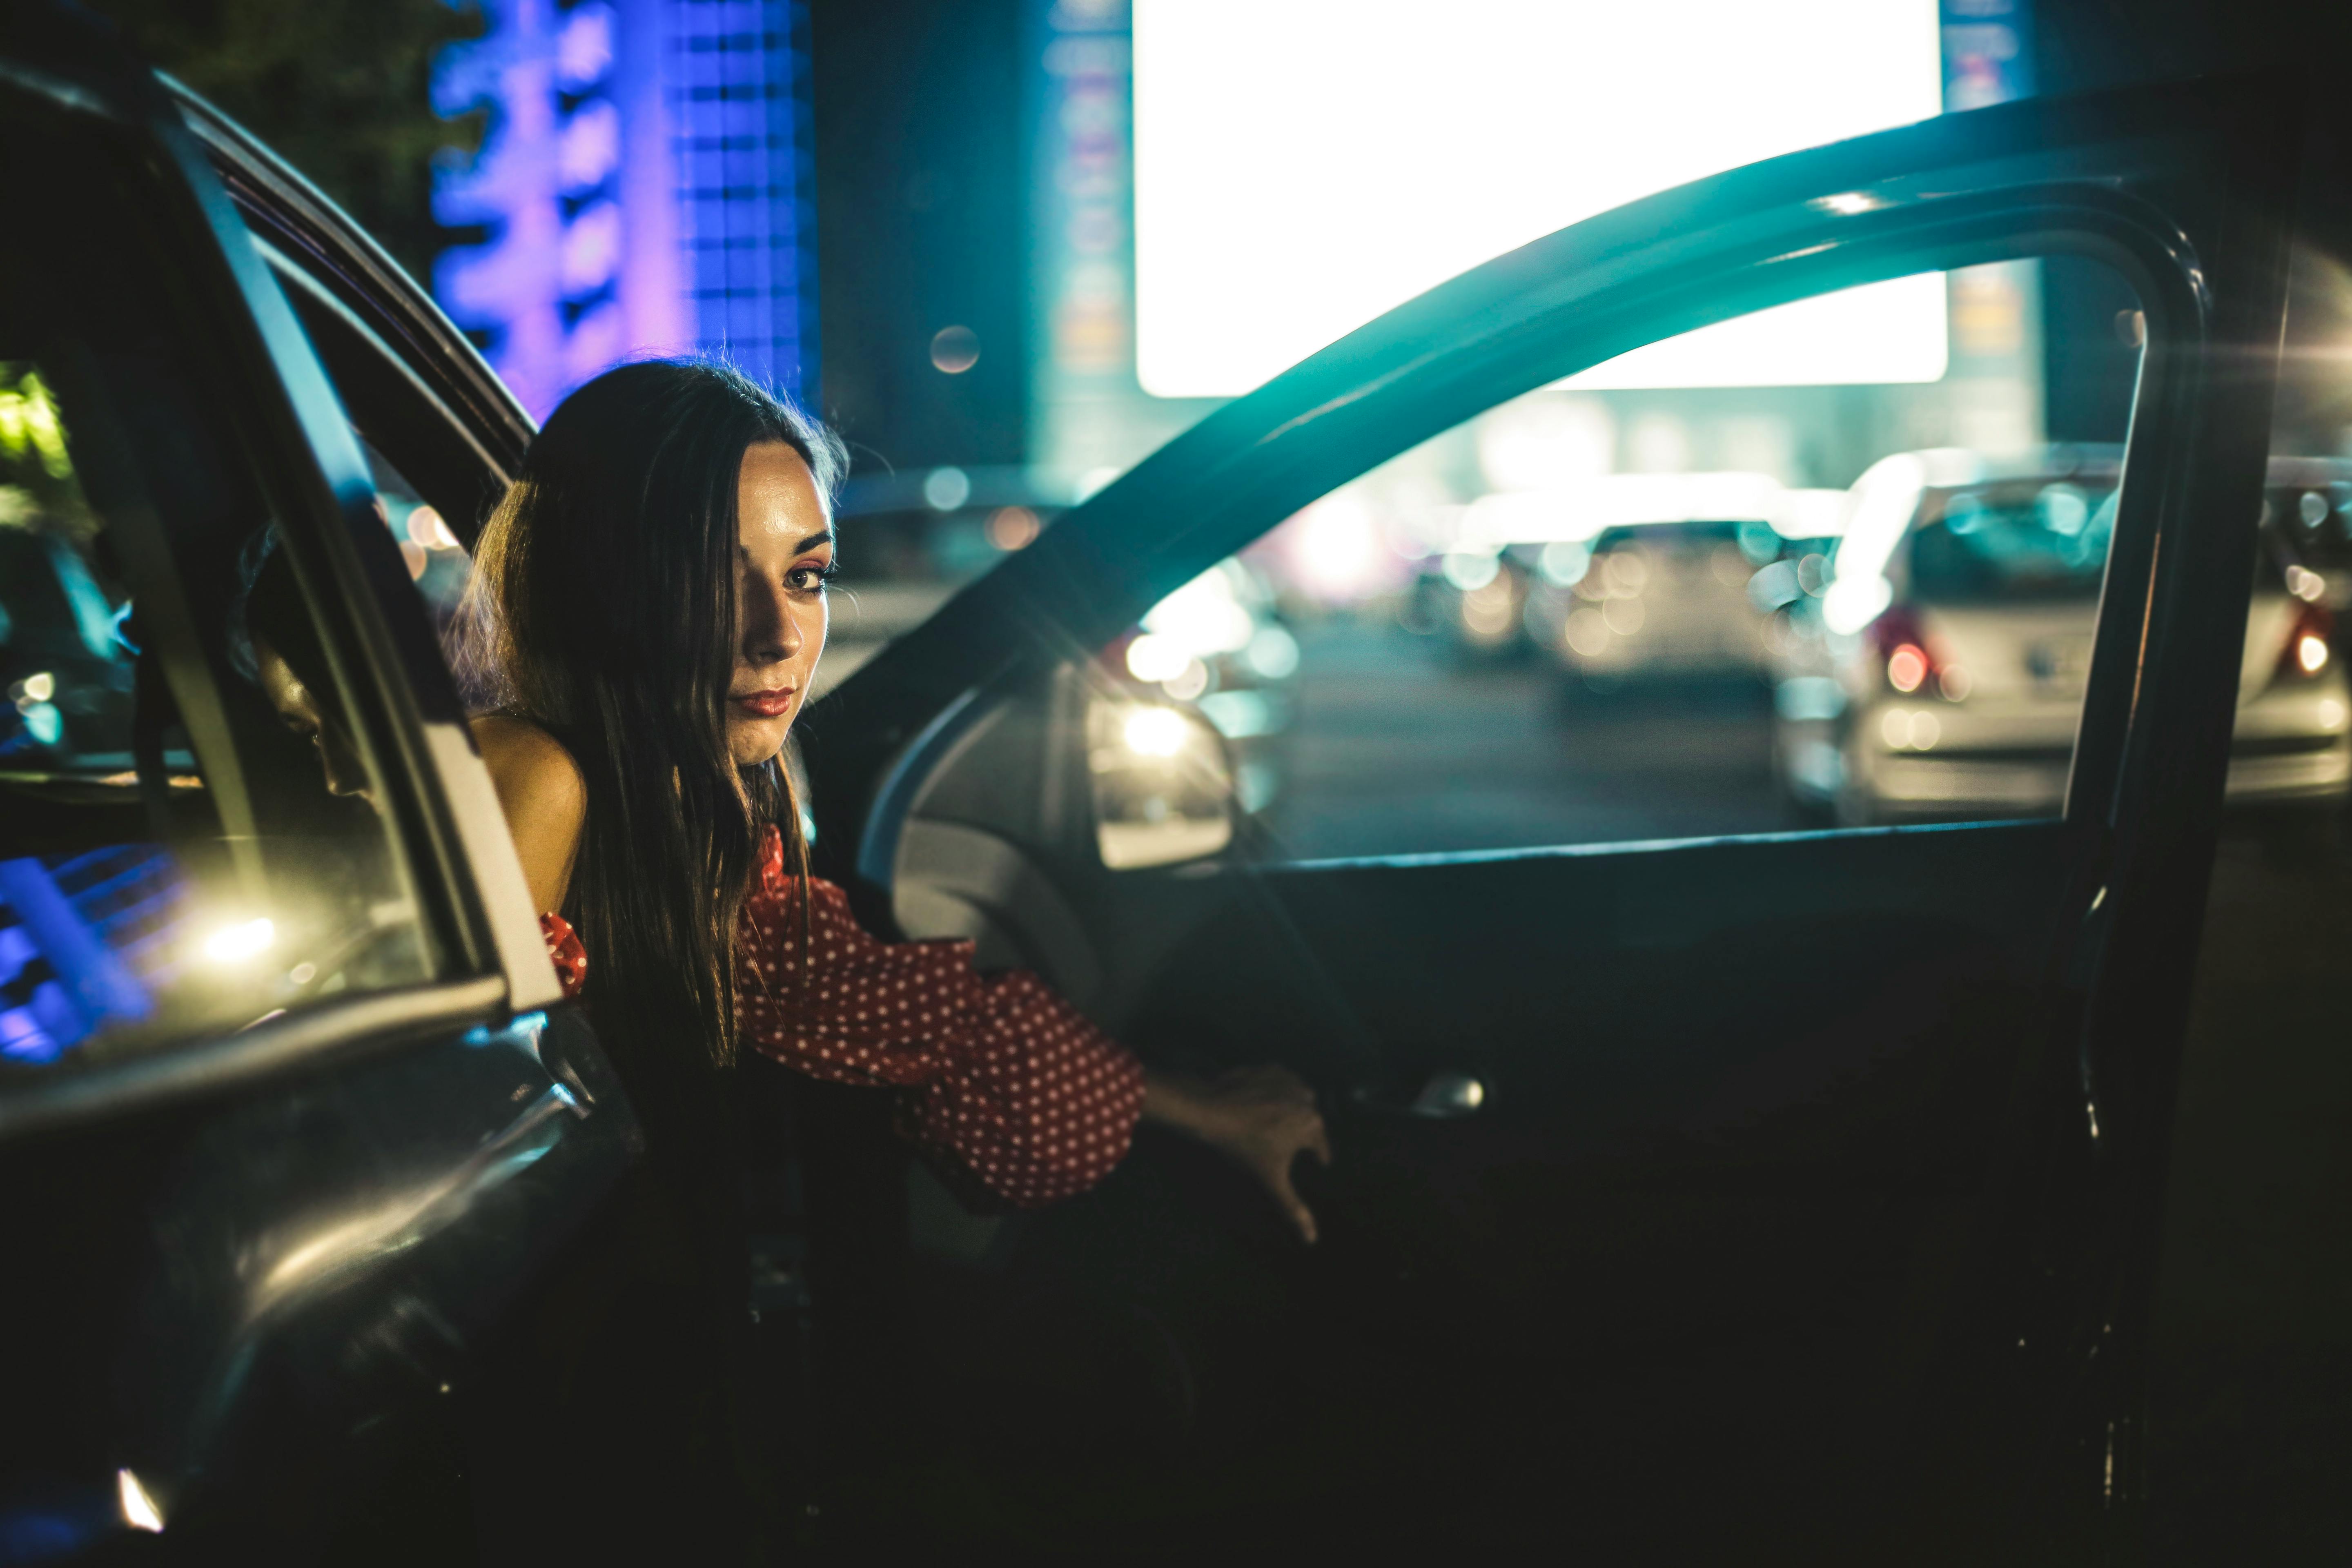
[
  {"x": 2031, "y": 540},
  {"x": 86, "y": 941},
  {"x": 174, "y": 864},
  {"x": 436, "y": 563},
  {"x": 67, "y": 669}
]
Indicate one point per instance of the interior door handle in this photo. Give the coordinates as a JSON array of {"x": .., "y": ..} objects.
[
  {"x": 1448, "y": 1095},
  {"x": 1443, "y": 1097}
]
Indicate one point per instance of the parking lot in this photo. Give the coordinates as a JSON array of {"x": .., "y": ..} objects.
[{"x": 1402, "y": 747}]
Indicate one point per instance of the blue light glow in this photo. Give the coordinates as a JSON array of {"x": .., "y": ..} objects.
[
  {"x": 61, "y": 978},
  {"x": 645, "y": 188}
]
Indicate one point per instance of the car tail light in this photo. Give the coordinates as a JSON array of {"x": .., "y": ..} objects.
[
  {"x": 1909, "y": 660},
  {"x": 2310, "y": 645}
]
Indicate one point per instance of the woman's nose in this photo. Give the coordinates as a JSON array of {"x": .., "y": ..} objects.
[
  {"x": 771, "y": 634},
  {"x": 346, "y": 775}
]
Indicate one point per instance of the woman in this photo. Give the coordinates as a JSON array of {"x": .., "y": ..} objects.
[{"x": 647, "y": 613}]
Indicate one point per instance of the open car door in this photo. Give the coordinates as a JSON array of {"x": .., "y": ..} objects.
[
  {"x": 1758, "y": 1191},
  {"x": 291, "y": 1106}
]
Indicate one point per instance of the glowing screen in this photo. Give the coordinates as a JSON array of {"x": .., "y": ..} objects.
[{"x": 1303, "y": 166}]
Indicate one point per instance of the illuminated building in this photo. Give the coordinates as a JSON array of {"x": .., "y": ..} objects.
[{"x": 644, "y": 188}]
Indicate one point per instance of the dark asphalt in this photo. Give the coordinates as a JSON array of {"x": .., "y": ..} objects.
[{"x": 1400, "y": 748}]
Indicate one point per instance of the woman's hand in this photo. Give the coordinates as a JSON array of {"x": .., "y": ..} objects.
[{"x": 1261, "y": 1118}]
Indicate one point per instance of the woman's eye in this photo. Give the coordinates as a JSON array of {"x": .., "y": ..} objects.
[{"x": 809, "y": 579}]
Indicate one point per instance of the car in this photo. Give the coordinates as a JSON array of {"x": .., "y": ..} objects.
[
  {"x": 1625, "y": 577},
  {"x": 1623, "y": 1215},
  {"x": 1980, "y": 580},
  {"x": 1630, "y": 576}
]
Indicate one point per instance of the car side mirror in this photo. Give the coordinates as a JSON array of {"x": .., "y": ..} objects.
[{"x": 1163, "y": 784}]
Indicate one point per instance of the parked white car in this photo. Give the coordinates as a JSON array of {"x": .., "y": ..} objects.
[{"x": 1941, "y": 673}]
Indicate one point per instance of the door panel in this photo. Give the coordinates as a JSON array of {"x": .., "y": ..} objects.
[{"x": 1747, "y": 1118}]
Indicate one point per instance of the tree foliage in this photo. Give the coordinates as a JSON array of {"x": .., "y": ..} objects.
[{"x": 340, "y": 89}]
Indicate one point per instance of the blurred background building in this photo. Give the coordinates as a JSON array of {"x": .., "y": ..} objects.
[{"x": 645, "y": 186}]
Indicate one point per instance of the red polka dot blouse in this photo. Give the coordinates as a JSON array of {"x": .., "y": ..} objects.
[{"x": 995, "y": 1074}]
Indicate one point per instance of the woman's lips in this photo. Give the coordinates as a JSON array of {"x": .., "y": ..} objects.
[{"x": 772, "y": 704}]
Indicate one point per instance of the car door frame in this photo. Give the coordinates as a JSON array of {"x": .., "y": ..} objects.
[
  {"x": 389, "y": 328},
  {"x": 2145, "y": 791}
]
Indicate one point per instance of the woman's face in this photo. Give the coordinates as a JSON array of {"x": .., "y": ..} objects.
[
  {"x": 784, "y": 552},
  {"x": 298, "y": 709}
]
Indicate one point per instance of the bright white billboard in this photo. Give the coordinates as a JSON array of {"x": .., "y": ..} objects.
[{"x": 1303, "y": 166}]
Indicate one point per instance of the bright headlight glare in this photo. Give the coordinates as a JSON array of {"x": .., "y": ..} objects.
[
  {"x": 2311, "y": 653},
  {"x": 232, "y": 944},
  {"x": 1155, "y": 657},
  {"x": 138, "y": 1510},
  {"x": 1154, "y": 732},
  {"x": 1204, "y": 616}
]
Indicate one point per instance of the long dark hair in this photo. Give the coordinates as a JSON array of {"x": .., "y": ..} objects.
[{"x": 603, "y": 609}]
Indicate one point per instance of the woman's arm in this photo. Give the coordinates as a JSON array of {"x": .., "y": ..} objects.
[
  {"x": 1261, "y": 1118},
  {"x": 544, "y": 798},
  {"x": 998, "y": 1074}
]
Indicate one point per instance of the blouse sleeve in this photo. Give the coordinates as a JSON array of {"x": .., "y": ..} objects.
[
  {"x": 565, "y": 952},
  {"x": 996, "y": 1073}
]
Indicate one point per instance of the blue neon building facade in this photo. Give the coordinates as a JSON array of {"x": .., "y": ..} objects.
[{"x": 644, "y": 188}]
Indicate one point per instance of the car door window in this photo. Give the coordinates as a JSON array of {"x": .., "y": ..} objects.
[
  {"x": 197, "y": 835},
  {"x": 1776, "y": 573},
  {"x": 2292, "y": 739},
  {"x": 431, "y": 478}
]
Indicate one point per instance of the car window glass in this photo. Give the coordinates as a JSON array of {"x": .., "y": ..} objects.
[
  {"x": 2292, "y": 745},
  {"x": 192, "y": 837},
  {"x": 1631, "y": 607}
]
